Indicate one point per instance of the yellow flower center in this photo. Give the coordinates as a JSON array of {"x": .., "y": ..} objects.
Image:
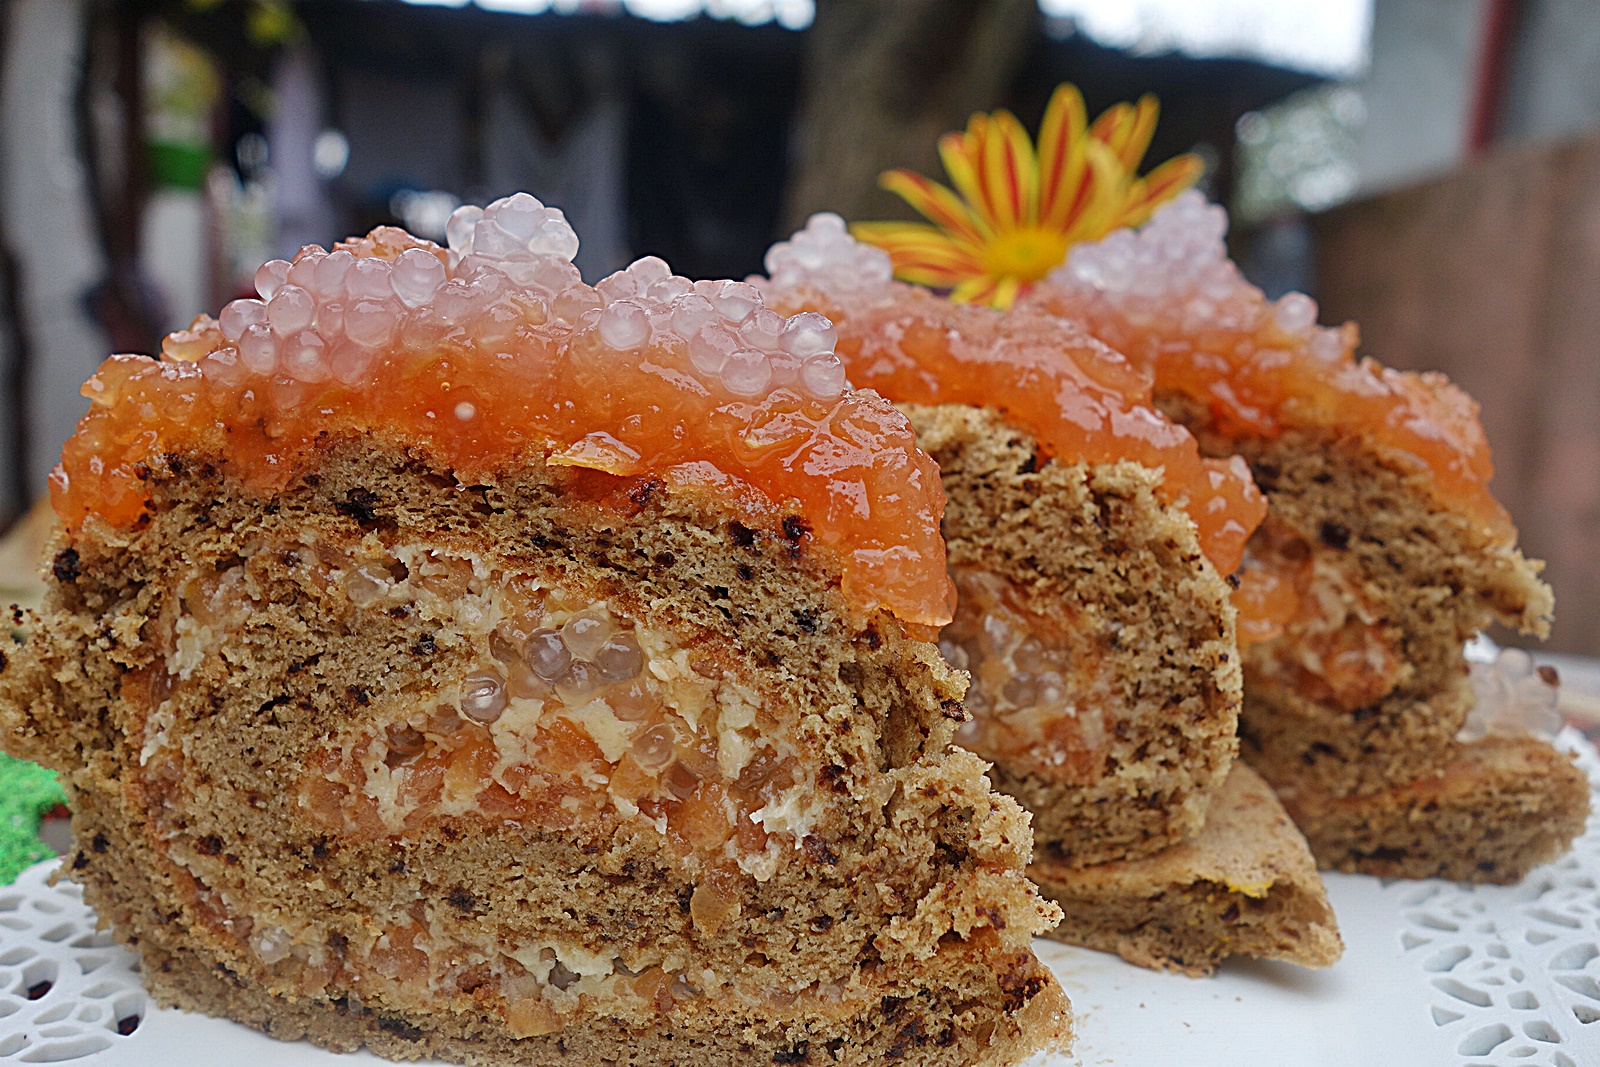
[{"x": 1026, "y": 254}]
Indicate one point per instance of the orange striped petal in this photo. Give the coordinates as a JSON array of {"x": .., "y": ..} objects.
[
  {"x": 1112, "y": 127},
  {"x": 1136, "y": 135},
  {"x": 915, "y": 244},
  {"x": 1097, "y": 207},
  {"x": 1159, "y": 186},
  {"x": 1008, "y": 175},
  {"x": 933, "y": 201},
  {"x": 1061, "y": 159},
  {"x": 960, "y": 163}
]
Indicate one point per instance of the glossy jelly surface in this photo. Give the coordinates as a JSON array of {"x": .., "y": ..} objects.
[
  {"x": 1082, "y": 400},
  {"x": 1168, "y": 297},
  {"x": 493, "y": 350}
]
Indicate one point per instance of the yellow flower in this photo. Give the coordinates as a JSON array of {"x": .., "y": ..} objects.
[{"x": 1013, "y": 212}]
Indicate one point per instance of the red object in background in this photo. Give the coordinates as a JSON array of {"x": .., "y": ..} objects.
[{"x": 1500, "y": 18}]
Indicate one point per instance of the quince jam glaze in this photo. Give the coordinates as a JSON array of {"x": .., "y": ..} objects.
[
  {"x": 1170, "y": 299},
  {"x": 493, "y": 349},
  {"x": 1082, "y": 400}
]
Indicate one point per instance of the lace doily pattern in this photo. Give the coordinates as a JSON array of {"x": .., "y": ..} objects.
[
  {"x": 66, "y": 990},
  {"x": 1514, "y": 971}
]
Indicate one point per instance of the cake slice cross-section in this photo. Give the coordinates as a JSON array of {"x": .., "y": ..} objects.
[
  {"x": 448, "y": 657},
  {"x": 1383, "y": 552}
]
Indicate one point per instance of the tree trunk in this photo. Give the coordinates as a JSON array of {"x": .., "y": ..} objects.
[{"x": 883, "y": 79}]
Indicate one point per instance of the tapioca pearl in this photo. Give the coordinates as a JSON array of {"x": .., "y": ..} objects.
[
  {"x": 351, "y": 363},
  {"x": 483, "y": 697},
  {"x": 546, "y": 654},
  {"x": 624, "y": 325},
  {"x": 655, "y": 747},
  {"x": 458, "y": 230},
  {"x": 239, "y": 316},
  {"x": 495, "y": 323},
  {"x": 304, "y": 357},
  {"x": 746, "y": 373},
  {"x": 575, "y": 301},
  {"x": 222, "y": 367},
  {"x": 669, "y": 289},
  {"x": 270, "y": 276},
  {"x": 619, "y": 658},
  {"x": 271, "y": 944},
  {"x": 519, "y": 214},
  {"x": 823, "y": 376},
  {"x": 371, "y": 322},
  {"x": 258, "y": 349},
  {"x": 762, "y": 329},
  {"x": 303, "y": 268},
  {"x": 1295, "y": 313},
  {"x": 710, "y": 349},
  {"x": 691, "y": 314},
  {"x": 578, "y": 683},
  {"x": 327, "y": 281},
  {"x": 330, "y": 320},
  {"x": 523, "y": 684},
  {"x": 551, "y": 275},
  {"x": 585, "y": 632},
  {"x": 556, "y": 238},
  {"x": 290, "y": 310},
  {"x": 416, "y": 277},
  {"x": 287, "y": 394},
  {"x": 736, "y": 301},
  {"x": 633, "y": 702},
  {"x": 368, "y": 279},
  {"x": 648, "y": 270},
  {"x": 808, "y": 334},
  {"x": 363, "y": 586},
  {"x": 492, "y": 242}
]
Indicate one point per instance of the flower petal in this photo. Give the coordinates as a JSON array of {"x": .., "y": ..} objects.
[
  {"x": 1061, "y": 159},
  {"x": 933, "y": 201},
  {"x": 960, "y": 163},
  {"x": 1159, "y": 186},
  {"x": 1008, "y": 175}
]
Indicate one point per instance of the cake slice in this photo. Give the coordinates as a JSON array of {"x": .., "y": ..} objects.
[
  {"x": 1245, "y": 885},
  {"x": 1087, "y": 539},
  {"x": 448, "y": 657},
  {"x": 1382, "y": 551}
]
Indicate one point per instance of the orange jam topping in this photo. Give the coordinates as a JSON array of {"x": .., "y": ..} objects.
[
  {"x": 492, "y": 350},
  {"x": 1083, "y": 401},
  {"x": 1171, "y": 300}
]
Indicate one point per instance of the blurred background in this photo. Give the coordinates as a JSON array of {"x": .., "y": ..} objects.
[{"x": 1429, "y": 169}]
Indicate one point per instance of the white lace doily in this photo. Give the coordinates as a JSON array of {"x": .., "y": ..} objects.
[{"x": 1434, "y": 974}]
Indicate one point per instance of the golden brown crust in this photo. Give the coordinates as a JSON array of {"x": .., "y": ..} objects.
[
  {"x": 913, "y": 850},
  {"x": 1499, "y": 808},
  {"x": 1095, "y": 545},
  {"x": 1246, "y": 885}
]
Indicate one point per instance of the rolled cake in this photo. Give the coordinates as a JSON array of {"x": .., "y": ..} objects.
[
  {"x": 1382, "y": 551},
  {"x": 448, "y": 657},
  {"x": 1086, "y": 537}
]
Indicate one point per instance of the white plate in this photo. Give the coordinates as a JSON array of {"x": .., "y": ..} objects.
[{"x": 1434, "y": 974}]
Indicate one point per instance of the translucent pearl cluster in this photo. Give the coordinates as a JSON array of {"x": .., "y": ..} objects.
[
  {"x": 1178, "y": 262},
  {"x": 329, "y": 315},
  {"x": 734, "y": 342},
  {"x": 1512, "y": 698},
  {"x": 826, "y": 256}
]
